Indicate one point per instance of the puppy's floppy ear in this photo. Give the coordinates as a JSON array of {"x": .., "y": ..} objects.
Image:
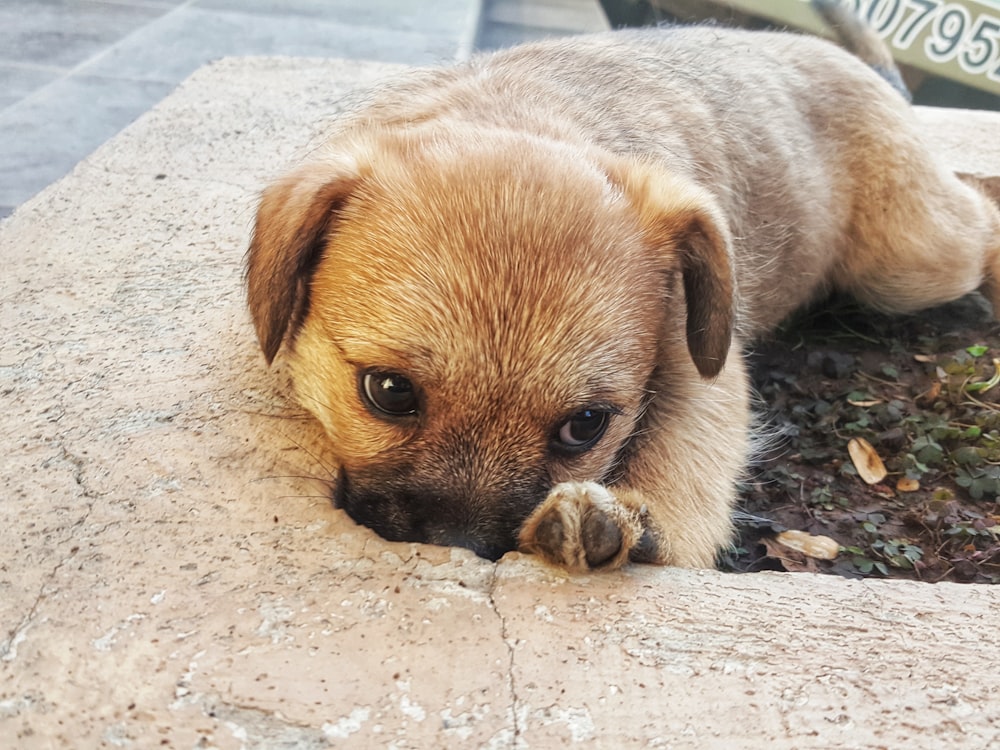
[
  {"x": 681, "y": 219},
  {"x": 293, "y": 222}
]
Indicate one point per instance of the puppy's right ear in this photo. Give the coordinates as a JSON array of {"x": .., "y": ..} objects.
[
  {"x": 684, "y": 224},
  {"x": 294, "y": 220}
]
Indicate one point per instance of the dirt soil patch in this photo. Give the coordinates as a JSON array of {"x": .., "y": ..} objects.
[{"x": 919, "y": 395}]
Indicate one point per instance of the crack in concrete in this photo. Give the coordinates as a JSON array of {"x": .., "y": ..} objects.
[
  {"x": 511, "y": 681},
  {"x": 17, "y": 634}
]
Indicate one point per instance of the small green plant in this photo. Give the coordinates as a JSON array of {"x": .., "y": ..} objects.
[
  {"x": 983, "y": 385},
  {"x": 972, "y": 531},
  {"x": 825, "y": 498},
  {"x": 899, "y": 553},
  {"x": 864, "y": 564},
  {"x": 879, "y": 554},
  {"x": 979, "y": 481}
]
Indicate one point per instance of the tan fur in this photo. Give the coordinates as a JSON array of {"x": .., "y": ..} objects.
[{"x": 595, "y": 223}]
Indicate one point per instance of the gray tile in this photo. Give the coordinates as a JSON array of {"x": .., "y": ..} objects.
[
  {"x": 562, "y": 16},
  {"x": 64, "y": 33},
  {"x": 500, "y": 35},
  {"x": 46, "y": 134},
  {"x": 175, "y": 45},
  {"x": 17, "y": 81},
  {"x": 158, "y": 4},
  {"x": 441, "y": 16}
]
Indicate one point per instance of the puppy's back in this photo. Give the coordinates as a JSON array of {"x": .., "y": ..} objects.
[{"x": 782, "y": 128}]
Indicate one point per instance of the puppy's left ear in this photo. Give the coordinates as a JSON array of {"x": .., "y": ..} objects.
[
  {"x": 683, "y": 222},
  {"x": 294, "y": 221}
]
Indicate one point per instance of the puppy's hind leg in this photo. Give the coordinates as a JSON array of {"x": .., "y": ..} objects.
[{"x": 922, "y": 241}]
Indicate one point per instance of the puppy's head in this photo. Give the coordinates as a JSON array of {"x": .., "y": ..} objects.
[{"x": 475, "y": 317}]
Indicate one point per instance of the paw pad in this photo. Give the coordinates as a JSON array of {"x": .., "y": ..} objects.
[{"x": 582, "y": 526}]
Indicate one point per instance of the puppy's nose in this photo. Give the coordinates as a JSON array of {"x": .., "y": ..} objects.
[{"x": 492, "y": 552}]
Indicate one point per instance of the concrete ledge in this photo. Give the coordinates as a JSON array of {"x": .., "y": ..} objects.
[
  {"x": 969, "y": 140},
  {"x": 175, "y": 576}
]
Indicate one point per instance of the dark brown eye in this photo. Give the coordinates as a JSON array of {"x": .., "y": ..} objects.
[
  {"x": 389, "y": 393},
  {"x": 581, "y": 431}
]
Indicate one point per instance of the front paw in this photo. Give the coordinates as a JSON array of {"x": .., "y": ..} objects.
[{"x": 581, "y": 526}]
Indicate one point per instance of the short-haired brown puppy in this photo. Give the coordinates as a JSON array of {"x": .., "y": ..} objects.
[{"x": 515, "y": 291}]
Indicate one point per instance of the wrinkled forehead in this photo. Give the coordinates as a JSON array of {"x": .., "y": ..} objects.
[
  {"x": 442, "y": 325},
  {"x": 483, "y": 266}
]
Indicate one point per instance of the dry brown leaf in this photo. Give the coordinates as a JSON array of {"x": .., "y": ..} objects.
[
  {"x": 791, "y": 559},
  {"x": 931, "y": 394},
  {"x": 864, "y": 404},
  {"x": 905, "y": 484},
  {"x": 925, "y": 358},
  {"x": 866, "y": 461},
  {"x": 810, "y": 545}
]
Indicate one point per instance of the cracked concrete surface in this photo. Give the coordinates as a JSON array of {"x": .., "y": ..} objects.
[{"x": 172, "y": 573}]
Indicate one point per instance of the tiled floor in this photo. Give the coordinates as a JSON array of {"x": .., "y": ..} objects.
[
  {"x": 75, "y": 72},
  {"x": 507, "y": 22}
]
